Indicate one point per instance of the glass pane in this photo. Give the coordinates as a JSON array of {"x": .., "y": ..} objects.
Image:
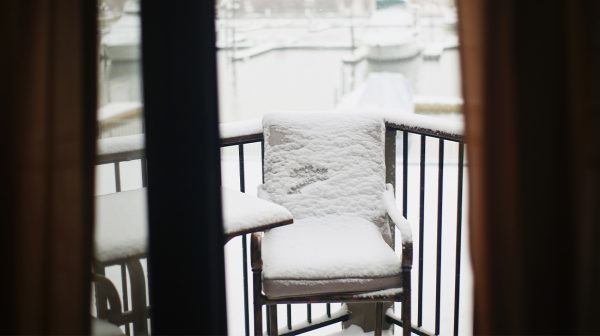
[
  {"x": 397, "y": 58},
  {"x": 120, "y": 234}
]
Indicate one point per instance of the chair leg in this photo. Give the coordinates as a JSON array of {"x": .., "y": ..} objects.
[
  {"x": 139, "y": 305},
  {"x": 406, "y": 317},
  {"x": 378, "y": 318},
  {"x": 258, "y": 330},
  {"x": 273, "y": 320}
]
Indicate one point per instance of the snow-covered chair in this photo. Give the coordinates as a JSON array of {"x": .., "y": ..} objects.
[{"x": 329, "y": 170}]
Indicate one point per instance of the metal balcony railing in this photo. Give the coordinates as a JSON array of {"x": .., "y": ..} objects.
[{"x": 402, "y": 132}]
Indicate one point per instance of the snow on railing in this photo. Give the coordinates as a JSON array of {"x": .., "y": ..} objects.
[
  {"x": 121, "y": 148},
  {"x": 251, "y": 130}
]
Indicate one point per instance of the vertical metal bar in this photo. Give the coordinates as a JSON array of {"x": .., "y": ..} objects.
[
  {"x": 328, "y": 306},
  {"x": 404, "y": 173},
  {"x": 273, "y": 320},
  {"x": 405, "y": 177},
  {"x": 390, "y": 172},
  {"x": 421, "y": 231},
  {"x": 125, "y": 294},
  {"x": 289, "y": 317},
  {"x": 241, "y": 163},
  {"x": 262, "y": 159},
  {"x": 461, "y": 154},
  {"x": 378, "y": 319},
  {"x": 139, "y": 307},
  {"x": 309, "y": 313},
  {"x": 144, "y": 165},
  {"x": 438, "y": 267},
  {"x": 117, "y": 177},
  {"x": 244, "y": 245},
  {"x": 268, "y": 316}
]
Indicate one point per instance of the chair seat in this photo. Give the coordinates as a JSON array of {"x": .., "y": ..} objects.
[
  {"x": 331, "y": 254},
  {"x": 121, "y": 226}
]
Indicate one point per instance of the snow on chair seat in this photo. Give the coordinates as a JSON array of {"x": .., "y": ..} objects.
[
  {"x": 121, "y": 225},
  {"x": 331, "y": 254}
]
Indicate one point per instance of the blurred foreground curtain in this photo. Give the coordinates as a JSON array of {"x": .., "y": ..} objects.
[
  {"x": 47, "y": 148},
  {"x": 531, "y": 74}
]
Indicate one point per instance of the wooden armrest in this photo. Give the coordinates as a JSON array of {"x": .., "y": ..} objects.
[
  {"x": 255, "y": 251},
  {"x": 401, "y": 223},
  {"x": 407, "y": 254}
]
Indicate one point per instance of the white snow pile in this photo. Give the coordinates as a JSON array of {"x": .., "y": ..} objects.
[
  {"x": 354, "y": 330},
  {"x": 240, "y": 128},
  {"x": 119, "y": 110},
  {"x": 105, "y": 328},
  {"x": 329, "y": 247},
  {"x": 381, "y": 90},
  {"x": 326, "y": 164},
  {"x": 121, "y": 230},
  {"x": 242, "y": 212},
  {"x": 120, "y": 144},
  {"x": 437, "y": 124}
]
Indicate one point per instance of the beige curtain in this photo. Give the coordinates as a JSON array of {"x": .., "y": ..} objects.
[
  {"x": 47, "y": 139},
  {"x": 532, "y": 106}
]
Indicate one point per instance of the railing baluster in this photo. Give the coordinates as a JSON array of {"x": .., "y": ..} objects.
[
  {"x": 421, "y": 231},
  {"x": 117, "y": 177},
  {"x": 144, "y": 165},
  {"x": 328, "y": 306},
  {"x": 262, "y": 159},
  {"x": 244, "y": 245},
  {"x": 289, "y": 317},
  {"x": 461, "y": 154},
  {"x": 125, "y": 294},
  {"x": 268, "y": 319},
  {"x": 438, "y": 267},
  {"x": 309, "y": 313},
  {"x": 404, "y": 173},
  {"x": 242, "y": 168}
]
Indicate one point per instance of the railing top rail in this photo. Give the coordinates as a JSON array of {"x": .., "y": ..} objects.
[
  {"x": 131, "y": 147},
  {"x": 121, "y": 148},
  {"x": 241, "y": 132}
]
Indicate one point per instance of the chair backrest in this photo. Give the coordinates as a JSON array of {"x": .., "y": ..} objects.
[{"x": 320, "y": 164}]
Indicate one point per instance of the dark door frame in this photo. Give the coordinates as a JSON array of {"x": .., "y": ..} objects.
[{"x": 186, "y": 267}]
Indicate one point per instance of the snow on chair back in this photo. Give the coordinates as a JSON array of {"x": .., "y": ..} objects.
[{"x": 326, "y": 164}]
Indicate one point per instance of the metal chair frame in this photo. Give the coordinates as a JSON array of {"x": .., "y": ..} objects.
[{"x": 260, "y": 299}]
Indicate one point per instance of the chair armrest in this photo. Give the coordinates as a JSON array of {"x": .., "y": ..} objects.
[
  {"x": 107, "y": 291},
  {"x": 401, "y": 223},
  {"x": 256, "y": 251}
]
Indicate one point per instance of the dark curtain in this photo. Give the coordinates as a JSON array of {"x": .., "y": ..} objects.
[
  {"x": 47, "y": 148},
  {"x": 532, "y": 107}
]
